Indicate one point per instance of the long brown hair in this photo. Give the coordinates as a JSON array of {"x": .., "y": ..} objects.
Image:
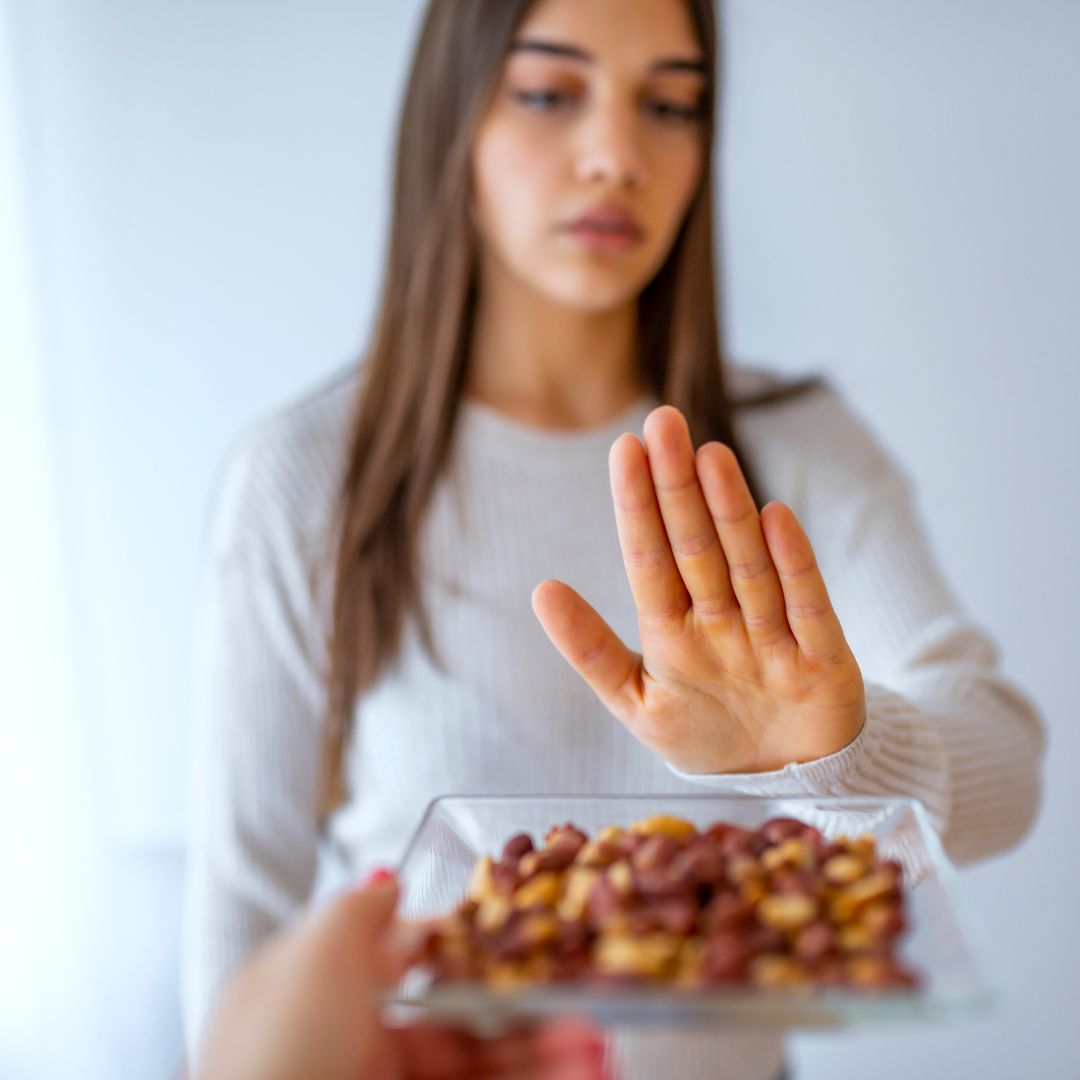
[{"x": 415, "y": 364}]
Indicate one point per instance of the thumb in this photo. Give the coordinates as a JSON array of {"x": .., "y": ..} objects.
[
  {"x": 590, "y": 647},
  {"x": 363, "y": 915},
  {"x": 371, "y": 907},
  {"x": 371, "y": 911}
]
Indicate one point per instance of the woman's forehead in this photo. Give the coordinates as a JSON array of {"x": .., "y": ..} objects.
[{"x": 634, "y": 32}]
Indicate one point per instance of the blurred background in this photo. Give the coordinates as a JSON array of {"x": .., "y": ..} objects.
[{"x": 192, "y": 207}]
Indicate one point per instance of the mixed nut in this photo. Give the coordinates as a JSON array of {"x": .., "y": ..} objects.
[{"x": 776, "y": 906}]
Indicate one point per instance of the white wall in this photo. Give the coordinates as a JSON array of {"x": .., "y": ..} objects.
[
  {"x": 205, "y": 190},
  {"x": 47, "y": 832}
]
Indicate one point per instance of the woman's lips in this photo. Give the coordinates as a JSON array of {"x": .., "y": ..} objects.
[
  {"x": 606, "y": 229},
  {"x": 598, "y": 239}
]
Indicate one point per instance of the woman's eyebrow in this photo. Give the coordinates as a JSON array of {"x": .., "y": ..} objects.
[{"x": 572, "y": 52}]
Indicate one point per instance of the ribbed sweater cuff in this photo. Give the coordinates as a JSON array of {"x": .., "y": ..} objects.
[{"x": 895, "y": 753}]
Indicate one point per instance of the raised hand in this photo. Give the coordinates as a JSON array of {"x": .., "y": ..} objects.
[{"x": 744, "y": 666}]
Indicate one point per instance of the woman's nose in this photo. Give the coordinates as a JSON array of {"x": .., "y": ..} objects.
[{"x": 609, "y": 150}]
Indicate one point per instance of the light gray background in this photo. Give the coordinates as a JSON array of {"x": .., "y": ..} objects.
[{"x": 192, "y": 206}]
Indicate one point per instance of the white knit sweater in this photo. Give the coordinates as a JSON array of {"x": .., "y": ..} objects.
[{"x": 517, "y": 505}]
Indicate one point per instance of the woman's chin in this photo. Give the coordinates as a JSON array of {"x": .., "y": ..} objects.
[{"x": 592, "y": 292}]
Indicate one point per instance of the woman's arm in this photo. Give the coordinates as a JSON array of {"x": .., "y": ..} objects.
[
  {"x": 258, "y": 734},
  {"x": 818, "y": 653}
]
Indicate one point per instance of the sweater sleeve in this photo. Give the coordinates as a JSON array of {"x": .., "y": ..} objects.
[
  {"x": 943, "y": 724},
  {"x": 257, "y": 739}
]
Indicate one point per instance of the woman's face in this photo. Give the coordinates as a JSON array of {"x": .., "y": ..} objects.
[{"x": 598, "y": 108}]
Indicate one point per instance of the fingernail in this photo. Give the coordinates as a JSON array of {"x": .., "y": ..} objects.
[{"x": 377, "y": 876}]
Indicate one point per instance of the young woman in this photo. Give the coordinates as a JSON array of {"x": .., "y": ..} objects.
[{"x": 369, "y": 641}]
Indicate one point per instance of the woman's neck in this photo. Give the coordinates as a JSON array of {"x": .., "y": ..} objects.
[{"x": 547, "y": 364}]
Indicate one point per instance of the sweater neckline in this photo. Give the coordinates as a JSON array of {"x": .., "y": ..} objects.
[{"x": 485, "y": 425}]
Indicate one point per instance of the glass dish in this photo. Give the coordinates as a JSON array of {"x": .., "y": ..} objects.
[{"x": 945, "y": 943}]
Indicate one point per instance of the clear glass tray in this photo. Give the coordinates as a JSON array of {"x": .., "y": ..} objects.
[{"x": 945, "y": 943}]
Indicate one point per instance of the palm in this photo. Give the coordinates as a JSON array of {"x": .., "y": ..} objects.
[{"x": 744, "y": 665}]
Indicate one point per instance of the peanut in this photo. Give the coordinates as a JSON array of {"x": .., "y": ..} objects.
[
  {"x": 621, "y": 877},
  {"x": 517, "y": 974},
  {"x": 742, "y": 868},
  {"x": 575, "y": 898},
  {"x": 777, "y": 830},
  {"x": 698, "y": 866},
  {"x": 814, "y": 942},
  {"x": 864, "y": 847},
  {"x": 727, "y": 911},
  {"x": 883, "y": 919},
  {"x": 868, "y": 971},
  {"x": 790, "y": 853},
  {"x": 787, "y": 913},
  {"x": 482, "y": 884},
  {"x": 776, "y": 971},
  {"x": 843, "y": 869},
  {"x": 597, "y": 853},
  {"x": 529, "y": 864},
  {"x": 492, "y": 913},
  {"x": 726, "y": 957},
  {"x": 754, "y": 890},
  {"x": 650, "y": 955},
  {"x": 539, "y": 929},
  {"x": 566, "y": 836},
  {"x": 543, "y": 890},
  {"x": 877, "y": 885},
  {"x": 690, "y": 961},
  {"x": 656, "y": 852},
  {"x": 518, "y": 845},
  {"x": 666, "y": 825},
  {"x": 854, "y": 938}
]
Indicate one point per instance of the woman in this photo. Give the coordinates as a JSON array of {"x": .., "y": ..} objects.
[{"x": 368, "y": 641}]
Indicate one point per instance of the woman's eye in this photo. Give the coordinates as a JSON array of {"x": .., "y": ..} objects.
[
  {"x": 671, "y": 112},
  {"x": 542, "y": 100},
  {"x": 674, "y": 112}
]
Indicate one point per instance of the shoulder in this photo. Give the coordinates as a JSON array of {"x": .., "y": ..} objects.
[
  {"x": 282, "y": 477},
  {"x": 814, "y": 448}
]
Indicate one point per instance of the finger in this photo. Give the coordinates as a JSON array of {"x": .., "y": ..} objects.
[
  {"x": 538, "y": 1054},
  {"x": 590, "y": 647},
  {"x": 659, "y": 592},
  {"x": 436, "y": 1052},
  {"x": 690, "y": 529},
  {"x": 433, "y": 1052},
  {"x": 575, "y": 1070},
  {"x": 371, "y": 907},
  {"x": 577, "y": 1050},
  {"x": 753, "y": 575},
  {"x": 809, "y": 611},
  {"x": 360, "y": 922}
]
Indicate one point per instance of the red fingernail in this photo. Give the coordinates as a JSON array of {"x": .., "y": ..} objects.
[{"x": 378, "y": 875}]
